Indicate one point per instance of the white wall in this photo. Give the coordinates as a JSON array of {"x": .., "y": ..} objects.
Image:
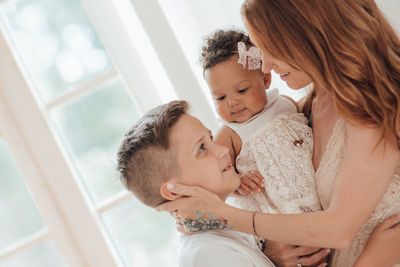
[{"x": 392, "y": 10}]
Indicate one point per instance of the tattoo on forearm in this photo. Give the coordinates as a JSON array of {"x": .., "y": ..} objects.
[{"x": 206, "y": 222}]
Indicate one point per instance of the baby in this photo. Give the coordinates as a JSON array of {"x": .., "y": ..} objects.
[{"x": 263, "y": 132}]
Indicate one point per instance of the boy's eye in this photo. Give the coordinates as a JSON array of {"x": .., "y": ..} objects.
[
  {"x": 202, "y": 148},
  {"x": 220, "y": 98},
  {"x": 241, "y": 91}
]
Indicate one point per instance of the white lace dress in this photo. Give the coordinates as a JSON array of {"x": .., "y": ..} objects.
[
  {"x": 325, "y": 178},
  {"x": 269, "y": 147}
]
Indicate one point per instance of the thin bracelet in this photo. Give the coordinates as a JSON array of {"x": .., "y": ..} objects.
[{"x": 254, "y": 224}]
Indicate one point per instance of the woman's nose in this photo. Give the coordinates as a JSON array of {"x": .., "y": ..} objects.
[
  {"x": 267, "y": 63},
  {"x": 266, "y": 66}
]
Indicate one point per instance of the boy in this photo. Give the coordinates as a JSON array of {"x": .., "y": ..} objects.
[{"x": 169, "y": 145}]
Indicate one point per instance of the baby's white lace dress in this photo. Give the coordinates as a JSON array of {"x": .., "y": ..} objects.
[{"x": 286, "y": 165}]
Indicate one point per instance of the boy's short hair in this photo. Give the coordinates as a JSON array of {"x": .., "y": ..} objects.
[
  {"x": 220, "y": 45},
  {"x": 145, "y": 160}
]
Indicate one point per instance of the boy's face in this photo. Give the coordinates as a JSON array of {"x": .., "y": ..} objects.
[
  {"x": 238, "y": 93},
  {"x": 202, "y": 162}
]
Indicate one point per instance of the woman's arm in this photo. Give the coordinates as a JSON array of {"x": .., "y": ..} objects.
[{"x": 366, "y": 171}]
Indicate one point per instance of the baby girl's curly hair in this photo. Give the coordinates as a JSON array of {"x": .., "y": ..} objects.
[{"x": 221, "y": 45}]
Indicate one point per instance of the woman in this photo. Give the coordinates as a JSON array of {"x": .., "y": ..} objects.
[{"x": 352, "y": 56}]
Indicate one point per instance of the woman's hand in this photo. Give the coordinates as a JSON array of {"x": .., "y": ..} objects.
[
  {"x": 289, "y": 255},
  {"x": 383, "y": 245},
  {"x": 198, "y": 210}
]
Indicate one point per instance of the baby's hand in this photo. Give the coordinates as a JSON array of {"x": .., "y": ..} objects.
[{"x": 250, "y": 182}]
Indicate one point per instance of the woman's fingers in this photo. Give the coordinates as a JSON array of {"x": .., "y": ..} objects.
[
  {"x": 390, "y": 222},
  {"x": 302, "y": 251},
  {"x": 186, "y": 190},
  {"x": 173, "y": 205},
  {"x": 315, "y": 258},
  {"x": 194, "y": 200}
]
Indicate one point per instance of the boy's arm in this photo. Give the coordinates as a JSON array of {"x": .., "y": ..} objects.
[{"x": 229, "y": 138}]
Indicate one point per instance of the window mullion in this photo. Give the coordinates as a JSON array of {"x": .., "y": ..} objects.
[
  {"x": 117, "y": 199},
  {"x": 82, "y": 89},
  {"x": 25, "y": 244}
]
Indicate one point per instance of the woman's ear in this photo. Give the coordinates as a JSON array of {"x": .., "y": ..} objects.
[
  {"x": 267, "y": 80},
  {"x": 164, "y": 191}
]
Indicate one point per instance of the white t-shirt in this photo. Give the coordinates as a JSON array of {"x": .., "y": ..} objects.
[{"x": 220, "y": 248}]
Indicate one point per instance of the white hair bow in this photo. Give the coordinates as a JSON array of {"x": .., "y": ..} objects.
[{"x": 254, "y": 56}]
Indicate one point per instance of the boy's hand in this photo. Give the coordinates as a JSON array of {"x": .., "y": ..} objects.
[{"x": 250, "y": 182}]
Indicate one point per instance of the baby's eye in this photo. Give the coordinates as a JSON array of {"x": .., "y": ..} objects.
[
  {"x": 241, "y": 91},
  {"x": 220, "y": 98}
]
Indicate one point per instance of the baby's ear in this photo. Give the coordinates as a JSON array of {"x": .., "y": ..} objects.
[
  {"x": 267, "y": 80},
  {"x": 164, "y": 191}
]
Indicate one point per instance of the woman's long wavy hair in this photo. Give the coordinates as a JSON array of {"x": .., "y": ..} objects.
[{"x": 346, "y": 47}]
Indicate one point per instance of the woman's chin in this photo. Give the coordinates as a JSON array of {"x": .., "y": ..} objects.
[{"x": 296, "y": 85}]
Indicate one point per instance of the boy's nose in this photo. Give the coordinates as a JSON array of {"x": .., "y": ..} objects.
[{"x": 220, "y": 151}]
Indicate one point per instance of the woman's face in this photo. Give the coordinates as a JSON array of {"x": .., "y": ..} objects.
[{"x": 295, "y": 79}]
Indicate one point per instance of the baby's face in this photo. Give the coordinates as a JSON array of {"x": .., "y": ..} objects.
[
  {"x": 238, "y": 93},
  {"x": 202, "y": 162}
]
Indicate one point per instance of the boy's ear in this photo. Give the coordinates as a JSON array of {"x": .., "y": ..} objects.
[
  {"x": 164, "y": 191},
  {"x": 267, "y": 80}
]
